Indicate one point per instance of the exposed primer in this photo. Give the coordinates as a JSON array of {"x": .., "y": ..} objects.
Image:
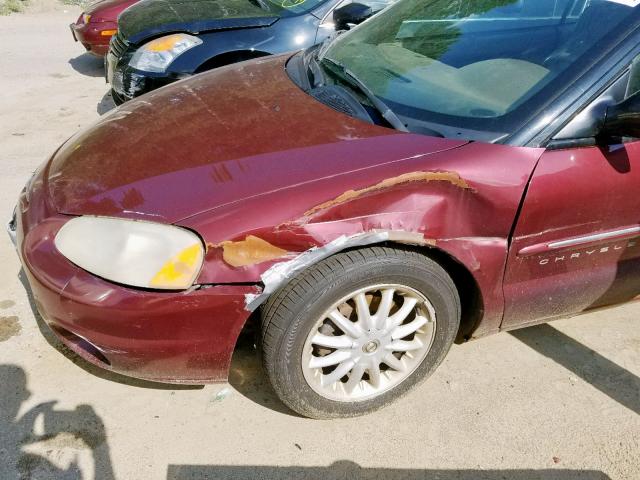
[
  {"x": 410, "y": 238},
  {"x": 250, "y": 251},
  {"x": 278, "y": 274},
  {"x": 449, "y": 177}
]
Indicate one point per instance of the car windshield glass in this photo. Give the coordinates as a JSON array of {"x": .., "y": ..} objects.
[
  {"x": 289, "y": 7},
  {"x": 483, "y": 65}
]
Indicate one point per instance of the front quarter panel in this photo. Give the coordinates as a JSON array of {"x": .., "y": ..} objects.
[
  {"x": 285, "y": 35},
  {"x": 462, "y": 201}
]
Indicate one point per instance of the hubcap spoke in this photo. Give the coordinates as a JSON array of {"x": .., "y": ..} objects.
[
  {"x": 386, "y": 302},
  {"x": 374, "y": 375},
  {"x": 344, "y": 324},
  {"x": 393, "y": 362},
  {"x": 354, "y": 378},
  {"x": 404, "y": 346},
  {"x": 329, "y": 360},
  {"x": 364, "y": 313},
  {"x": 401, "y": 315},
  {"x": 340, "y": 371},
  {"x": 368, "y": 342},
  {"x": 406, "y": 330},
  {"x": 342, "y": 341}
]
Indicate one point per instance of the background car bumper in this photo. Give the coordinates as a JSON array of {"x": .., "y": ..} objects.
[
  {"x": 175, "y": 337},
  {"x": 128, "y": 83},
  {"x": 91, "y": 37}
]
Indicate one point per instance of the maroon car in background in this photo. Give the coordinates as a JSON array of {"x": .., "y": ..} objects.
[
  {"x": 98, "y": 23},
  {"x": 445, "y": 170}
]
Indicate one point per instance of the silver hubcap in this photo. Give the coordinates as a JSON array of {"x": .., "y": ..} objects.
[{"x": 368, "y": 342}]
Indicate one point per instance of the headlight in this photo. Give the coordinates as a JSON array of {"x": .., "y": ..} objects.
[
  {"x": 158, "y": 54},
  {"x": 135, "y": 253},
  {"x": 86, "y": 18}
]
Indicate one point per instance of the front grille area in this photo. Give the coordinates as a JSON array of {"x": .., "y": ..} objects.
[{"x": 118, "y": 45}]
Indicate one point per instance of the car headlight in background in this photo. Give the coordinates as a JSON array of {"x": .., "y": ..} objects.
[
  {"x": 86, "y": 18},
  {"x": 134, "y": 253},
  {"x": 158, "y": 54}
]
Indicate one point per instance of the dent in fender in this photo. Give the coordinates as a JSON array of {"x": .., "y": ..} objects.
[
  {"x": 450, "y": 177},
  {"x": 280, "y": 273}
]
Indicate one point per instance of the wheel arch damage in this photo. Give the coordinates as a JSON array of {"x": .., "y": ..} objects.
[
  {"x": 280, "y": 274},
  {"x": 459, "y": 212}
]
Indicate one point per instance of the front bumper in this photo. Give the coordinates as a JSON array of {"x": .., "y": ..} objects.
[
  {"x": 91, "y": 38},
  {"x": 128, "y": 83},
  {"x": 174, "y": 337}
]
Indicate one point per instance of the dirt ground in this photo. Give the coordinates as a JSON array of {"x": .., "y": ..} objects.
[{"x": 553, "y": 402}]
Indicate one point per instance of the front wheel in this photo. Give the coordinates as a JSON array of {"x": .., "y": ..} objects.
[{"x": 358, "y": 330}]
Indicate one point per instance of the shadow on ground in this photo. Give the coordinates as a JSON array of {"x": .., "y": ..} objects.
[
  {"x": 88, "y": 65},
  {"x": 106, "y": 104},
  {"x": 247, "y": 376},
  {"x": 345, "y": 470},
  {"x": 29, "y": 451},
  {"x": 611, "y": 379}
]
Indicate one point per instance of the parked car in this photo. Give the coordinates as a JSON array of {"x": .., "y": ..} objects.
[
  {"x": 443, "y": 171},
  {"x": 161, "y": 41},
  {"x": 97, "y": 24}
]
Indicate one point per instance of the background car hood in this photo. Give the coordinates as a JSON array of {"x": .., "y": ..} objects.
[
  {"x": 237, "y": 132},
  {"x": 152, "y": 17},
  {"x": 104, "y": 5}
]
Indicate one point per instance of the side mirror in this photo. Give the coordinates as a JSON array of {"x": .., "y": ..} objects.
[
  {"x": 351, "y": 14},
  {"x": 623, "y": 119}
]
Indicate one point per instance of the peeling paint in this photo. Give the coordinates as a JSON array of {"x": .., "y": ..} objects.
[
  {"x": 278, "y": 274},
  {"x": 250, "y": 251},
  {"x": 449, "y": 177},
  {"x": 410, "y": 238}
]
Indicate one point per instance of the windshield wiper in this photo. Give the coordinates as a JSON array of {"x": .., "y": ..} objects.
[
  {"x": 261, "y": 4},
  {"x": 378, "y": 104}
]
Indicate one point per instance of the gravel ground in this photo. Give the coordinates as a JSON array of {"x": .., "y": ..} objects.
[{"x": 559, "y": 401}]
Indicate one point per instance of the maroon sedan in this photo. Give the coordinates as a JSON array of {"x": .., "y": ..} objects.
[
  {"x": 98, "y": 23},
  {"x": 443, "y": 171}
]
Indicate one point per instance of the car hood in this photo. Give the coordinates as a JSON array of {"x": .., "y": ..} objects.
[
  {"x": 214, "y": 139},
  {"x": 103, "y": 6},
  {"x": 153, "y": 17}
]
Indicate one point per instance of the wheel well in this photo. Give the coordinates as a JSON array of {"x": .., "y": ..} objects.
[
  {"x": 468, "y": 289},
  {"x": 230, "y": 57},
  {"x": 466, "y": 285}
]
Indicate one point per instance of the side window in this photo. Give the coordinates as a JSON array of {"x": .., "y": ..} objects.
[
  {"x": 537, "y": 9},
  {"x": 578, "y": 8},
  {"x": 634, "y": 78},
  {"x": 376, "y": 5}
]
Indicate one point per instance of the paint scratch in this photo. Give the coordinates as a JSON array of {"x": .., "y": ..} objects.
[{"x": 449, "y": 177}]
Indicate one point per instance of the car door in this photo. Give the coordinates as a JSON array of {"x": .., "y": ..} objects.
[{"x": 576, "y": 244}]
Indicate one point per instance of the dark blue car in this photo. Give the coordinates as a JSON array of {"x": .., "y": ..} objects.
[{"x": 161, "y": 41}]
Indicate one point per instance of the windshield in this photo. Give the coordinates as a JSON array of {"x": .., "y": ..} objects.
[
  {"x": 285, "y": 8},
  {"x": 478, "y": 65}
]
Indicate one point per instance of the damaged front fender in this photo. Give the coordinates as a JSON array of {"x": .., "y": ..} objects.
[{"x": 462, "y": 202}]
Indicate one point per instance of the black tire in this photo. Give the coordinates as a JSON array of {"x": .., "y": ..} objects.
[{"x": 291, "y": 313}]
